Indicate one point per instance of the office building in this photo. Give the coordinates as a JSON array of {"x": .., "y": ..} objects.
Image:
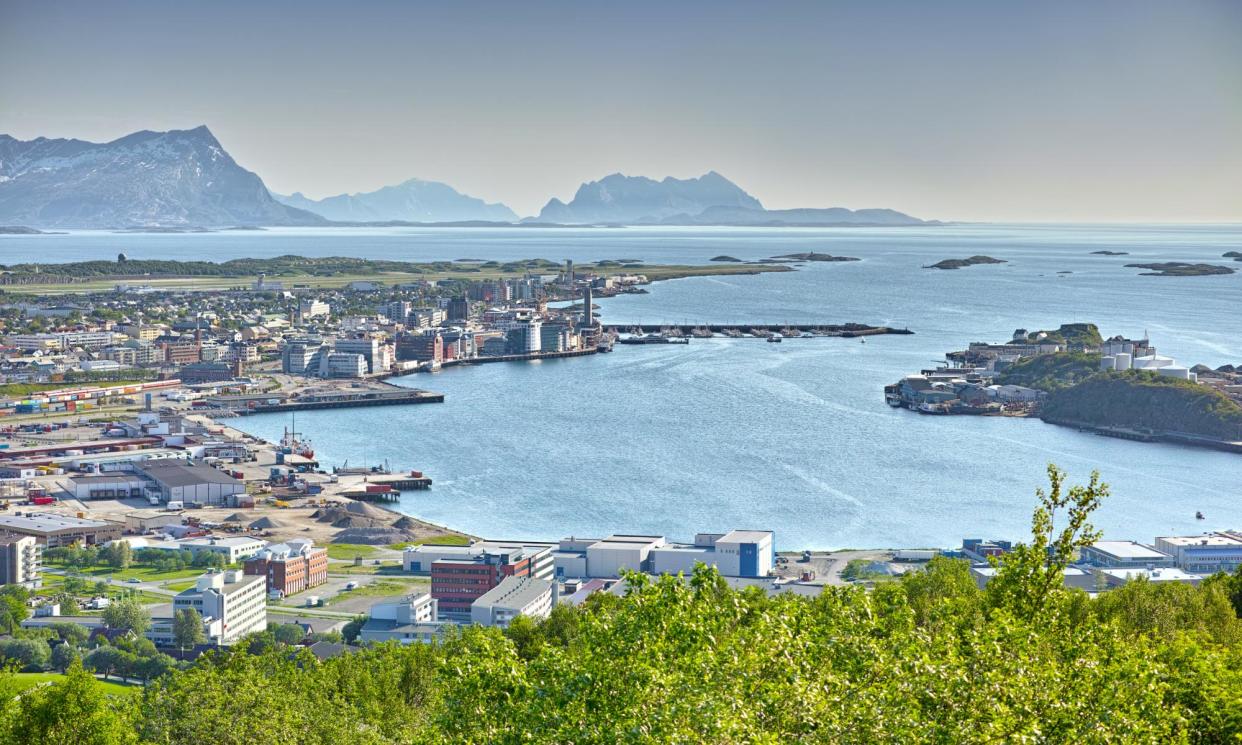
[
  {"x": 458, "y": 309},
  {"x": 462, "y": 574},
  {"x": 424, "y": 347},
  {"x": 231, "y": 604},
  {"x": 513, "y": 597},
  {"x": 290, "y": 567}
]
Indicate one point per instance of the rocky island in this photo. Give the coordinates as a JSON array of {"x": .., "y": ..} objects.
[
  {"x": 959, "y": 263},
  {"x": 1181, "y": 269},
  {"x": 814, "y": 257},
  {"x": 730, "y": 259}
]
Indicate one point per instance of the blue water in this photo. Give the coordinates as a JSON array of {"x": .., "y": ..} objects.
[{"x": 794, "y": 437}]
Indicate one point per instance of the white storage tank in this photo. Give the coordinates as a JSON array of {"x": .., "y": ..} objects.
[
  {"x": 1108, "y": 363},
  {"x": 1123, "y": 361}
]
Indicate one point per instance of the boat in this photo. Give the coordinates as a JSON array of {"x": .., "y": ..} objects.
[
  {"x": 892, "y": 396},
  {"x": 775, "y": 338},
  {"x": 1198, "y": 515},
  {"x": 290, "y": 443}
]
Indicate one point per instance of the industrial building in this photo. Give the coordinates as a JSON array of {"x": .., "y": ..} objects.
[
  {"x": 513, "y": 597},
  {"x": 190, "y": 482},
  {"x": 52, "y": 530},
  {"x": 739, "y": 553},
  {"x": 1124, "y": 554},
  {"x": 1203, "y": 554}
]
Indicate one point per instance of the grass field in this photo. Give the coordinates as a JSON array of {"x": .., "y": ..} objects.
[
  {"x": 350, "y": 550},
  {"x": 145, "y": 574},
  {"x": 180, "y": 586},
  {"x": 435, "y": 540},
  {"x": 29, "y": 680},
  {"x": 387, "y": 587}
]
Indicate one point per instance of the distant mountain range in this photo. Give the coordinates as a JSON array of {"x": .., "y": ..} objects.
[
  {"x": 185, "y": 179},
  {"x": 413, "y": 201},
  {"x": 165, "y": 179}
]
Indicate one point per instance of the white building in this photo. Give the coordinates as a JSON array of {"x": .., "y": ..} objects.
[
  {"x": 414, "y": 619},
  {"x": 308, "y": 309},
  {"x": 232, "y": 548},
  {"x": 513, "y": 597},
  {"x": 21, "y": 559},
  {"x": 231, "y": 604},
  {"x": 1118, "y": 576},
  {"x": 1203, "y": 554},
  {"x": 342, "y": 365},
  {"x": 739, "y": 553},
  {"x": 1123, "y": 554}
]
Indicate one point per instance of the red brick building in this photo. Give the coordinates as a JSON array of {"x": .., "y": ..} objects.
[
  {"x": 290, "y": 567},
  {"x": 457, "y": 582}
]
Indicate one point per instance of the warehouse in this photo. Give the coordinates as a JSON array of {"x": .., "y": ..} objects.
[
  {"x": 60, "y": 530},
  {"x": 188, "y": 482}
]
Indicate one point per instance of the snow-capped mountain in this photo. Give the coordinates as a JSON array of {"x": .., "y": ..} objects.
[
  {"x": 411, "y": 201},
  {"x": 179, "y": 178}
]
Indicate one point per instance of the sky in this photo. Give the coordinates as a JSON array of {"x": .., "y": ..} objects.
[{"x": 1050, "y": 111}]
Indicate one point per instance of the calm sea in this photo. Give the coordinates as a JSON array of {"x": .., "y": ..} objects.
[{"x": 794, "y": 437}]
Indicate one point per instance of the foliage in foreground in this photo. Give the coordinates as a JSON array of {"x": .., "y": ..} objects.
[{"x": 927, "y": 658}]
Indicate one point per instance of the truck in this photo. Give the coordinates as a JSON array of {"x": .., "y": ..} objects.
[
  {"x": 175, "y": 505},
  {"x": 44, "y": 499}
]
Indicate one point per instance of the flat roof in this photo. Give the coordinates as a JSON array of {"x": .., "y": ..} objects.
[
  {"x": 235, "y": 540},
  {"x": 1128, "y": 550},
  {"x": 121, "y": 476},
  {"x": 1211, "y": 539},
  {"x": 515, "y": 592},
  {"x": 744, "y": 536},
  {"x": 174, "y": 472},
  {"x": 44, "y": 522}
]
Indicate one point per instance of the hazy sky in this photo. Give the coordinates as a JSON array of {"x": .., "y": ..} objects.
[{"x": 990, "y": 110}]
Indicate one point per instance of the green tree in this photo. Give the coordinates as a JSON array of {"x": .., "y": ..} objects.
[
  {"x": 287, "y": 633},
  {"x": 31, "y": 655},
  {"x": 72, "y": 633},
  {"x": 353, "y": 628},
  {"x": 126, "y": 614},
  {"x": 1032, "y": 575},
  {"x": 64, "y": 655},
  {"x": 188, "y": 629},
  {"x": 73, "y": 711}
]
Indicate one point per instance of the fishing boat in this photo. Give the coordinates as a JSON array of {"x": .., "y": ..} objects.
[
  {"x": 775, "y": 338},
  {"x": 291, "y": 442}
]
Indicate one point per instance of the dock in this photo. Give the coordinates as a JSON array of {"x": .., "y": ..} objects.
[
  {"x": 406, "y": 482},
  {"x": 759, "y": 330},
  {"x": 346, "y": 399}
]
